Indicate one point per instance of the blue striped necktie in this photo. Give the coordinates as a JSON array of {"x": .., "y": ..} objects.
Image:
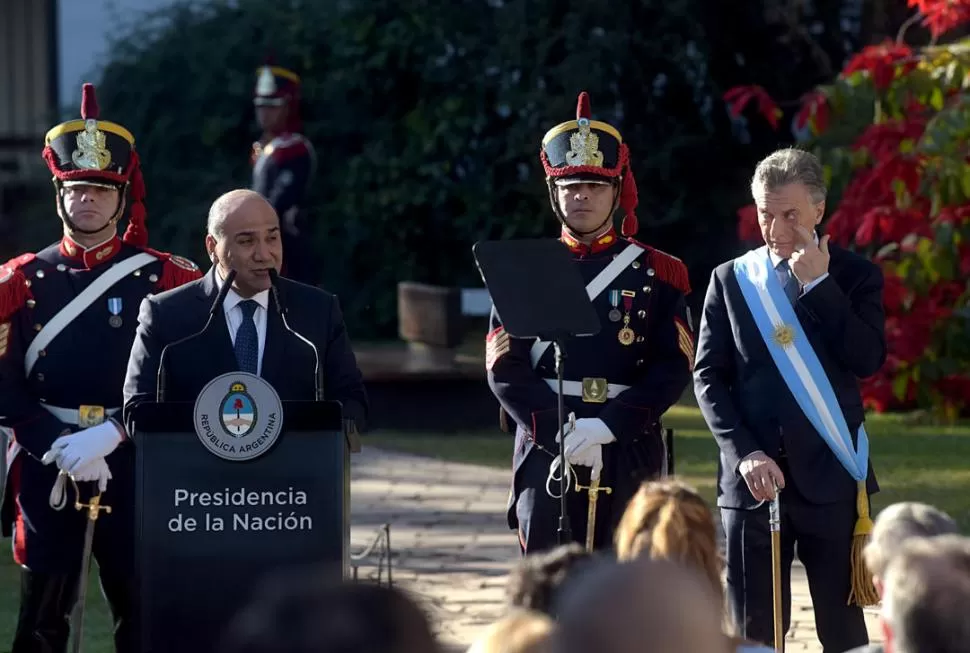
[
  {"x": 247, "y": 341},
  {"x": 790, "y": 283}
]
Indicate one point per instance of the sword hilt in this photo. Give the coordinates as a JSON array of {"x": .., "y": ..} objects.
[
  {"x": 93, "y": 505},
  {"x": 594, "y": 488}
]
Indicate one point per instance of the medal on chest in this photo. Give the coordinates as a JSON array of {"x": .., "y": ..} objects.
[
  {"x": 626, "y": 335},
  {"x": 614, "y": 313},
  {"x": 114, "y": 307}
]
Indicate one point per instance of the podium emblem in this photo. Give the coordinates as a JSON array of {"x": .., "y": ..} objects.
[
  {"x": 238, "y": 412},
  {"x": 238, "y": 416}
]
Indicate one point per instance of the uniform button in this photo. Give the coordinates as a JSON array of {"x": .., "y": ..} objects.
[
  {"x": 27, "y": 283},
  {"x": 31, "y": 303},
  {"x": 639, "y": 362},
  {"x": 40, "y": 377},
  {"x": 641, "y": 314},
  {"x": 137, "y": 273},
  {"x": 61, "y": 267},
  {"x": 647, "y": 289},
  {"x": 42, "y": 353},
  {"x": 40, "y": 274},
  {"x": 635, "y": 265},
  {"x": 38, "y": 327},
  {"x": 639, "y": 338},
  {"x": 650, "y": 272},
  {"x": 153, "y": 278}
]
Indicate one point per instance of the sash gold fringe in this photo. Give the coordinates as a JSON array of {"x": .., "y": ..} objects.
[{"x": 862, "y": 592}]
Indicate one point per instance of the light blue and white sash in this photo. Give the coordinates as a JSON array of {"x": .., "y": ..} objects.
[{"x": 796, "y": 360}]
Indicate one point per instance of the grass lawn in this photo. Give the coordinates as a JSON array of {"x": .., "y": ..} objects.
[{"x": 913, "y": 461}]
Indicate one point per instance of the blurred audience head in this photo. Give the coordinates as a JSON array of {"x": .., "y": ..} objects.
[
  {"x": 520, "y": 631},
  {"x": 926, "y": 599},
  {"x": 896, "y": 525},
  {"x": 304, "y": 613},
  {"x": 535, "y": 581},
  {"x": 643, "y": 606},
  {"x": 670, "y": 520}
]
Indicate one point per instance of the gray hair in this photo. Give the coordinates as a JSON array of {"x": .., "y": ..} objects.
[
  {"x": 899, "y": 523},
  {"x": 927, "y": 596},
  {"x": 223, "y": 206},
  {"x": 790, "y": 166}
]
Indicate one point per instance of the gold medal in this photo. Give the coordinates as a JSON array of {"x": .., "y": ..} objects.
[{"x": 625, "y": 336}]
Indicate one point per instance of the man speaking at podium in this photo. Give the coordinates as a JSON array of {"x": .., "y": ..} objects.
[{"x": 247, "y": 332}]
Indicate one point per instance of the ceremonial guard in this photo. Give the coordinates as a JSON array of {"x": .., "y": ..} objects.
[
  {"x": 67, "y": 322},
  {"x": 284, "y": 163},
  {"x": 618, "y": 383}
]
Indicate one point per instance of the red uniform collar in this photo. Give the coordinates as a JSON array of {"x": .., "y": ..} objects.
[
  {"x": 602, "y": 243},
  {"x": 93, "y": 256}
]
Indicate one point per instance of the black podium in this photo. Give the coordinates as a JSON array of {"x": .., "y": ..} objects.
[{"x": 209, "y": 530}]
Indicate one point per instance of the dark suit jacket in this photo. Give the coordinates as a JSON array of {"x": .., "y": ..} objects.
[
  {"x": 746, "y": 402},
  {"x": 287, "y": 364}
]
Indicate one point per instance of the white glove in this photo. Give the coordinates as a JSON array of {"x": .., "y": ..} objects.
[
  {"x": 78, "y": 450},
  {"x": 591, "y": 457},
  {"x": 589, "y": 431},
  {"x": 96, "y": 471}
]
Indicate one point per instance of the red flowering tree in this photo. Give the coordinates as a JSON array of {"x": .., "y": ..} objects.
[{"x": 893, "y": 132}]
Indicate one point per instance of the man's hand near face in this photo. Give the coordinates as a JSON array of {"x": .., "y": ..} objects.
[{"x": 809, "y": 261}]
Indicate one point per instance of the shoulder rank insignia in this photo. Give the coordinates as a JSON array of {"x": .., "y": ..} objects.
[
  {"x": 4, "y": 338},
  {"x": 685, "y": 340}
]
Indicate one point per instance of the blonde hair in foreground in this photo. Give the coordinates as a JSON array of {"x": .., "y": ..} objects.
[
  {"x": 520, "y": 631},
  {"x": 669, "y": 520}
]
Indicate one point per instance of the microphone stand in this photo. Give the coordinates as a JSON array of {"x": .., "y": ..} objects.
[
  {"x": 558, "y": 343},
  {"x": 274, "y": 278}
]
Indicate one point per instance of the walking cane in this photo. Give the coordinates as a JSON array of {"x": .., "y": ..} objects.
[{"x": 774, "y": 518}]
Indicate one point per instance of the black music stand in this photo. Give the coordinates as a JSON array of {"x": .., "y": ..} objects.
[{"x": 539, "y": 293}]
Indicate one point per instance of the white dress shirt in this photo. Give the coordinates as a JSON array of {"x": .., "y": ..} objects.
[{"x": 234, "y": 317}]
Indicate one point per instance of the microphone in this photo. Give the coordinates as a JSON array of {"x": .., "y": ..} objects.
[
  {"x": 274, "y": 278},
  {"x": 161, "y": 378}
]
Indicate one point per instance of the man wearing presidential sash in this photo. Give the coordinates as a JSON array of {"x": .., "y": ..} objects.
[{"x": 787, "y": 331}]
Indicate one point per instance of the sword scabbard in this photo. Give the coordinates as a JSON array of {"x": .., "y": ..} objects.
[{"x": 94, "y": 508}]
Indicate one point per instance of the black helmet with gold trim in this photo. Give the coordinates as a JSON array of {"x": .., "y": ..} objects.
[
  {"x": 98, "y": 153},
  {"x": 274, "y": 86},
  {"x": 590, "y": 151}
]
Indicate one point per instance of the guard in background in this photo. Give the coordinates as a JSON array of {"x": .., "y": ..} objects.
[
  {"x": 284, "y": 163},
  {"x": 67, "y": 322},
  {"x": 618, "y": 383}
]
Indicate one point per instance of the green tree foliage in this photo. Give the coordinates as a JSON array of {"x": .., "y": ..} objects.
[{"x": 427, "y": 117}]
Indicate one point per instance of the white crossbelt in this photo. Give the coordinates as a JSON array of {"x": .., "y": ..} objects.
[
  {"x": 76, "y": 306},
  {"x": 575, "y": 388},
  {"x": 594, "y": 288},
  {"x": 72, "y": 415}
]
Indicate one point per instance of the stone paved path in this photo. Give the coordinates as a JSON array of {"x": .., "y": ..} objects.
[{"x": 452, "y": 548}]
